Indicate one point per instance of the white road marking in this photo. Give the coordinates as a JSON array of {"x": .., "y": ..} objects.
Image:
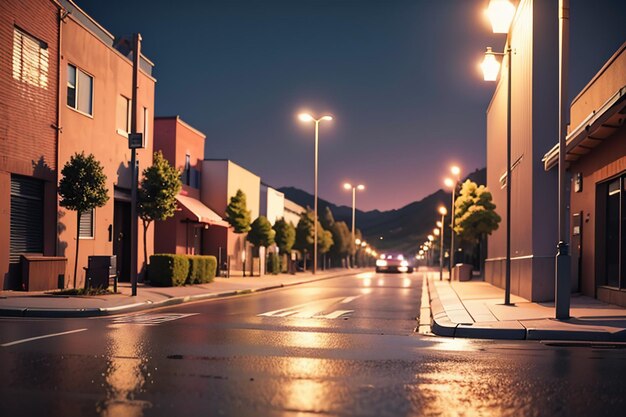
[
  {"x": 30, "y": 339},
  {"x": 350, "y": 299},
  {"x": 313, "y": 309},
  {"x": 335, "y": 314},
  {"x": 150, "y": 319}
]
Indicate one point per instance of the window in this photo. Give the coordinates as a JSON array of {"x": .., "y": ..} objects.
[
  {"x": 187, "y": 172},
  {"x": 615, "y": 234},
  {"x": 123, "y": 115},
  {"x": 79, "y": 90},
  {"x": 146, "y": 126},
  {"x": 86, "y": 225},
  {"x": 30, "y": 59}
]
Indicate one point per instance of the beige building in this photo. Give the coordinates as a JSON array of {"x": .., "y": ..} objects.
[
  {"x": 221, "y": 178},
  {"x": 534, "y": 123},
  {"x": 272, "y": 203}
]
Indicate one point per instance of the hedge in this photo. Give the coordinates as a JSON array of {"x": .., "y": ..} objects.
[
  {"x": 201, "y": 269},
  {"x": 273, "y": 263},
  {"x": 167, "y": 270}
]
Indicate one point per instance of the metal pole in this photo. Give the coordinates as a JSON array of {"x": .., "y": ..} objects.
[
  {"x": 441, "y": 249},
  {"x": 452, "y": 252},
  {"x": 353, "y": 230},
  {"x": 134, "y": 167},
  {"x": 317, "y": 124},
  {"x": 563, "y": 265},
  {"x": 507, "y": 281}
]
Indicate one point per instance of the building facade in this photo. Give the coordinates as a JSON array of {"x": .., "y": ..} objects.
[
  {"x": 29, "y": 120},
  {"x": 272, "y": 203},
  {"x": 596, "y": 154},
  {"x": 187, "y": 232},
  {"x": 534, "y": 100}
]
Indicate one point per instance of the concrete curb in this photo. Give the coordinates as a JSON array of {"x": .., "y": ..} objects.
[
  {"x": 441, "y": 325},
  {"x": 146, "y": 305}
]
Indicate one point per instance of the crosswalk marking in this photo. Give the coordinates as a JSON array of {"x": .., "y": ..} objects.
[
  {"x": 319, "y": 309},
  {"x": 150, "y": 319}
]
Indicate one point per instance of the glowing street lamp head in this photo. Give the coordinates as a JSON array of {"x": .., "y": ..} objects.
[
  {"x": 439, "y": 224},
  {"x": 327, "y": 118},
  {"x": 448, "y": 182},
  {"x": 305, "y": 117},
  {"x": 455, "y": 170},
  {"x": 436, "y": 232},
  {"x": 443, "y": 211},
  {"x": 357, "y": 241},
  {"x": 360, "y": 187},
  {"x": 431, "y": 238},
  {"x": 490, "y": 66},
  {"x": 347, "y": 186},
  {"x": 500, "y": 14}
]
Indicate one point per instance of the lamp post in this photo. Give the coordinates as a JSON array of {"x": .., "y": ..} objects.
[
  {"x": 563, "y": 265},
  {"x": 453, "y": 184},
  {"x": 501, "y": 14},
  {"x": 305, "y": 117},
  {"x": 443, "y": 212},
  {"x": 359, "y": 187}
]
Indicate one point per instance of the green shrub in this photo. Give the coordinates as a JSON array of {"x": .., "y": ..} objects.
[
  {"x": 201, "y": 269},
  {"x": 166, "y": 270},
  {"x": 273, "y": 263}
]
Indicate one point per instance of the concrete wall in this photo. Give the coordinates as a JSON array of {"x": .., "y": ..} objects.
[
  {"x": 28, "y": 140},
  {"x": 534, "y": 124},
  {"x": 97, "y": 134}
]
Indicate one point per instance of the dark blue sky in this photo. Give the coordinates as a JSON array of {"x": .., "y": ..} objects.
[{"x": 399, "y": 76}]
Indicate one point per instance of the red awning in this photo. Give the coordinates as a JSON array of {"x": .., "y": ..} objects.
[{"x": 199, "y": 212}]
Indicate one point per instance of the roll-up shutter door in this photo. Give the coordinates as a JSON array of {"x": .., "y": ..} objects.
[{"x": 26, "y": 217}]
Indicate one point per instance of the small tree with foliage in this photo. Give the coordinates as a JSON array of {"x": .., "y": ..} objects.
[
  {"x": 475, "y": 214},
  {"x": 285, "y": 238},
  {"x": 261, "y": 233},
  {"x": 82, "y": 188},
  {"x": 324, "y": 241},
  {"x": 342, "y": 238},
  {"x": 157, "y": 196},
  {"x": 305, "y": 234},
  {"x": 238, "y": 216}
]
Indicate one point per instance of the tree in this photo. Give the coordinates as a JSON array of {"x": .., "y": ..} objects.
[
  {"x": 285, "y": 235},
  {"x": 261, "y": 233},
  {"x": 327, "y": 219},
  {"x": 324, "y": 241},
  {"x": 157, "y": 196},
  {"x": 475, "y": 215},
  {"x": 237, "y": 213},
  {"x": 238, "y": 216},
  {"x": 285, "y": 238},
  {"x": 305, "y": 234},
  {"x": 342, "y": 238},
  {"x": 82, "y": 188}
]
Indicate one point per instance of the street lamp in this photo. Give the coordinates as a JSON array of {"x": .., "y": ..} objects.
[
  {"x": 443, "y": 212},
  {"x": 563, "y": 265},
  {"x": 359, "y": 187},
  {"x": 491, "y": 68},
  {"x": 305, "y": 117},
  {"x": 453, "y": 184}
]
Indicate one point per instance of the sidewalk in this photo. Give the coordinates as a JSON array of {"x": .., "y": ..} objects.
[
  {"x": 475, "y": 309},
  {"x": 40, "y": 304}
]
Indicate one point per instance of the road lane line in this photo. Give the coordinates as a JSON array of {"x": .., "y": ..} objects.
[
  {"x": 335, "y": 314},
  {"x": 350, "y": 299},
  {"x": 30, "y": 339}
]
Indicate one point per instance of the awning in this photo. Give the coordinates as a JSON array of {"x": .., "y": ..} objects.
[
  {"x": 596, "y": 127},
  {"x": 199, "y": 212}
]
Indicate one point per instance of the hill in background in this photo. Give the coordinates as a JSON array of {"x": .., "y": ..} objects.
[{"x": 398, "y": 230}]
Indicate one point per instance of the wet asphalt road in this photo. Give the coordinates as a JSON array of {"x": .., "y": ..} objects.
[{"x": 343, "y": 347}]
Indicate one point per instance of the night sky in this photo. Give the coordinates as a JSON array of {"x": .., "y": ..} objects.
[{"x": 400, "y": 78}]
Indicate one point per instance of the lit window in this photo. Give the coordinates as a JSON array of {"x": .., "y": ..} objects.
[
  {"x": 123, "y": 115},
  {"x": 30, "y": 59},
  {"x": 79, "y": 90}
]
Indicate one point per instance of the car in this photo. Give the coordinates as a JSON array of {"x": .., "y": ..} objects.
[{"x": 393, "y": 263}]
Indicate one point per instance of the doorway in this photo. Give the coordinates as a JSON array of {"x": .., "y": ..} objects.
[{"x": 121, "y": 238}]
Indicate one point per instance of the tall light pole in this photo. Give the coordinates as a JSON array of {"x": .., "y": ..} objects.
[
  {"x": 501, "y": 13},
  {"x": 443, "y": 212},
  {"x": 359, "y": 187},
  {"x": 563, "y": 266},
  {"x": 305, "y": 117},
  {"x": 453, "y": 184}
]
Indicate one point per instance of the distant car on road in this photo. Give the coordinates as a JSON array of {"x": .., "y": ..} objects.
[{"x": 393, "y": 263}]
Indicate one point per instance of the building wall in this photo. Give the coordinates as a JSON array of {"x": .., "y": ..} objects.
[
  {"x": 534, "y": 122},
  {"x": 292, "y": 212},
  {"x": 97, "y": 134},
  {"x": 28, "y": 114},
  {"x": 272, "y": 203}
]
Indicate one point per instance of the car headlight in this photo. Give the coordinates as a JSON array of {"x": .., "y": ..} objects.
[
  {"x": 404, "y": 263},
  {"x": 381, "y": 262}
]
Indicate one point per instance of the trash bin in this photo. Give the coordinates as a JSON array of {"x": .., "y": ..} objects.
[
  {"x": 101, "y": 271},
  {"x": 462, "y": 272}
]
